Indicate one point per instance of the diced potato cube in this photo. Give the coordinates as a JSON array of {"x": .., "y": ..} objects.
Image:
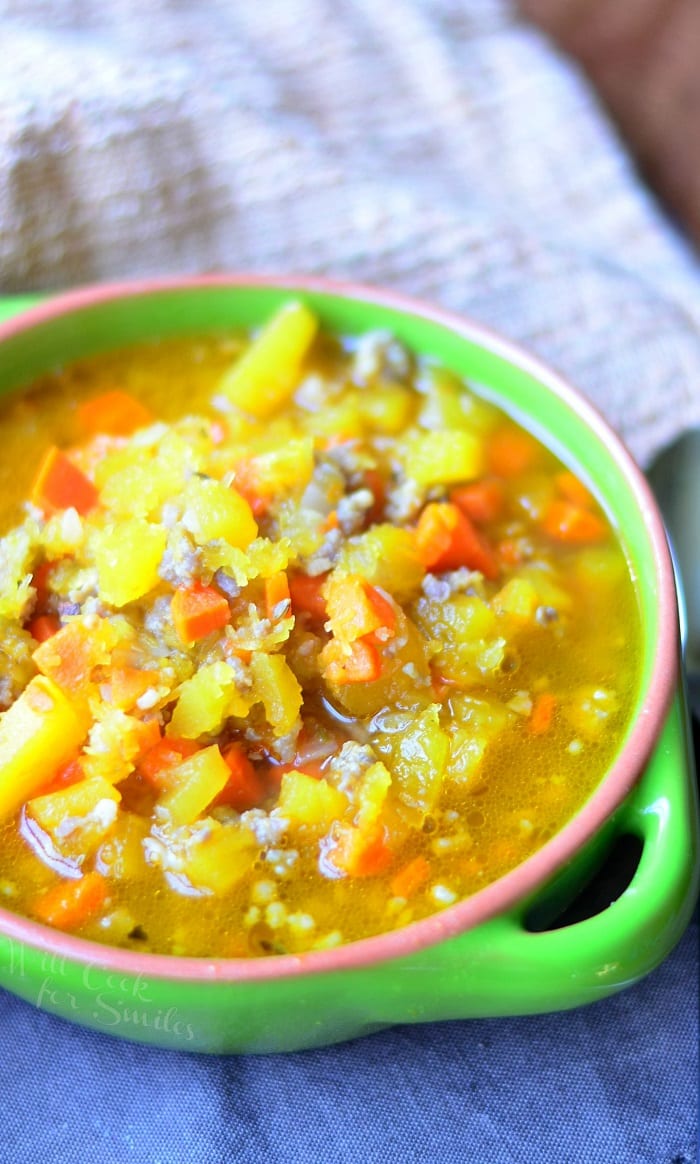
[
  {"x": 436, "y": 457},
  {"x": 205, "y": 701},
  {"x": 196, "y": 782},
  {"x": 39, "y": 733},
  {"x": 127, "y": 556},
  {"x": 77, "y": 818},
  {"x": 212, "y": 511},
  {"x": 221, "y": 858},
  {"x": 267, "y": 373},
  {"x": 305, "y": 800},
  {"x": 276, "y": 685}
]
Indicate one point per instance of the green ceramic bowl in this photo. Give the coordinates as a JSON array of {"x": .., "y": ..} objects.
[{"x": 502, "y": 951}]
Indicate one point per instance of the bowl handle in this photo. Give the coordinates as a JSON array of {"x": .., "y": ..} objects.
[{"x": 502, "y": 967}]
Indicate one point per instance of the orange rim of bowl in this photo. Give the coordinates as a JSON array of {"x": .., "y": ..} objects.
[{"x": 524, "y": 879}]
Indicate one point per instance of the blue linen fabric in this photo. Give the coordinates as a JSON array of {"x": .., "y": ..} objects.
[
  {"x": 612, "y": 1083},
  {"x": 439, "y": 148}
]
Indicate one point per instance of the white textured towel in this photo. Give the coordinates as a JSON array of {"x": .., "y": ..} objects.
[{"x": 430, "y": 145}]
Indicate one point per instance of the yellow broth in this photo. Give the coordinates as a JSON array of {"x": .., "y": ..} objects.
[{"x": 491, "y": 705}]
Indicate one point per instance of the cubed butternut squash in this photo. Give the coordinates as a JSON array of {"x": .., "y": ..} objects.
[
  {"x": 77, "y": 818},
  {"x": 434, "y": 458},
  {"x": 212, "y": 511},
  {"x": 205, "y": 701},
  {"x": 305, "y": 800},
  {"x": 127, "y": 556},
  {"x": 39, "y": 733},
  {"x": 195, "y": 783},
  {"x": 276, "y": 686},
  {"x": 385, "y": 556},
  {"x": 266, "y": 374},
  {"x": 217, "y": 861}
]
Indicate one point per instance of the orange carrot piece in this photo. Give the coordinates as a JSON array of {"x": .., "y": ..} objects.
[
  {"x": 68, "y": 656},
  {"x": 446, "y": 540},
  {"x": 373, "y": 858},
  {"x": 509, "y": 552},
  {"x": 307, "y": 595},
  {"x": 331, "y": 521},
  {"x": 277, "y": 596},
  {"x": 411, "y": 877},
  {"x": 115, "y": 413},
  {"x": 128, "y": 684},
  {"x": 332, "y": 442},
  {"x": 357, "y": 853},
  {"x": 70, "y": 904},
  {"x": 197, "y": 611},
  {"x": 511, "y": 451},
  {"x": 40, "y": 583},
  {"x": 572, "y": 489},
  {"x": 356, "y": 609},
  {"x": 148, "y": 734},
  {"x": 571, "y": 524},
  {"x": 244, "y": 788},
  {"x": 542, "y": 714},
  {"x": 384, "y": 610},
  {"x": 59, "y": 484},
  {"x": 232, "y": 649},
  {"x": 247, "y": 483},
  {"x": 43, "y": 627},
  {"x": 157, "y": 763},
  {"x": 363, "y": 664},
  {"x": 70, "y": 773},
  {"x": 481, "y": 501}
]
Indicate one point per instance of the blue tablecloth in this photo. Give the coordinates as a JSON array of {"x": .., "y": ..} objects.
[{"x": 612, "y": 1083}]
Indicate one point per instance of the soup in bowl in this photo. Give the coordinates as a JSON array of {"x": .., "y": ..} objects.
[{"x": 332, "y": 627}]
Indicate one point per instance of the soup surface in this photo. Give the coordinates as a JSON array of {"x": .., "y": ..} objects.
[{"x": 301, "y": 640}]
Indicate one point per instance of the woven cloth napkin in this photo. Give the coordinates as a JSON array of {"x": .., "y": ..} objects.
[{"x": 444, "y": 149}]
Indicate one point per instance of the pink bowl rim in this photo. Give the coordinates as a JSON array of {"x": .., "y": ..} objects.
[{"x": 524, "y": 879}]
